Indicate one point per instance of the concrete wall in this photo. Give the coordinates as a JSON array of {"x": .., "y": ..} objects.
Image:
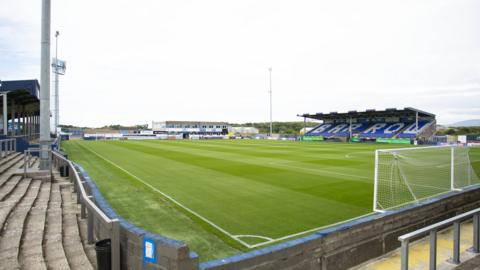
[
  {"x": 338, "y": 247},
  {"x": 352, "y": 243}
]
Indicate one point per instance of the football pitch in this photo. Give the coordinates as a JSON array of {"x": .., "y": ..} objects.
[{"x": 226, "y": 196}]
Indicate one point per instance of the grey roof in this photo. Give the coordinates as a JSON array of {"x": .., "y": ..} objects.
[{"x": 389, "y": 112}]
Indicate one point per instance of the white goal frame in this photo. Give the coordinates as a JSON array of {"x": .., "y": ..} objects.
[{"x": 395, "y": 150}]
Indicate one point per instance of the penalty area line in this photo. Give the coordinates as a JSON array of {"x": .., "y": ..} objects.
[{"x": 234, "y": 237}]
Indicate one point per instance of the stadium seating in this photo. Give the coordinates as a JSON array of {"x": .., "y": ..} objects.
[
  {"x": 329, "y": 130},
  {"x": 411, "y": 132},
  {"x": 366, "y": 130},
  {"x": 382, "y": 130}
]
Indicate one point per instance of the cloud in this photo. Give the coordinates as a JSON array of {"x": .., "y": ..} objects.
[{"x": 137, "y": 61}]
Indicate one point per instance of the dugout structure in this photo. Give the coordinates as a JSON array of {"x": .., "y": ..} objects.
[
  {"x": 386, "y": 126},
  {"x": 20, "y": 111}
]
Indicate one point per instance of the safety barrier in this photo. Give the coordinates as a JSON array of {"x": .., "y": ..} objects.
[
  {"x": 7, "y": 146},
  {"x": 432, "y": 231},
  {"x": 89, "y": 209}
]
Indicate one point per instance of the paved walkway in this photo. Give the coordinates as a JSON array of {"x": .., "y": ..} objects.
[{"x": 420, "y": 251}]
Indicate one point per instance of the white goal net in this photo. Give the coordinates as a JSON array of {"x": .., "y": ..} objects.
[{"x": 408, "y": 175}]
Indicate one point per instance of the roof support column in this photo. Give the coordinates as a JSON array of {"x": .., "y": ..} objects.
[
  {"x": 45, "y": 87},
  {"x": 350, "y": 129},
  {"x": 5, "y": 115},
  {"x": 24, "y": 120},
  {"x": 25, "y": 125},
  {"x": 12, "y": 111},
  {"x": 35, "y": 118}
]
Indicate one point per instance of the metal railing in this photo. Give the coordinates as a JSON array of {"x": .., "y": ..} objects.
[
  {"x": 28, "y": 160},
  {"x": 7, "y": 146},
  {"x": 90, "y": 210},
  {"x": 432, "y": 231}
]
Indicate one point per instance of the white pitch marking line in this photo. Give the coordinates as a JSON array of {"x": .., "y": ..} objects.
[
  {"x": 253, "y": 236},
  {"x": 234, "y": 237},
  {"x": 307, "y": 231},
  {"x": 173, "y": 200}
]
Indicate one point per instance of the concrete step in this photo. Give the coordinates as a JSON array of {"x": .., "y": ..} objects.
[
  {"x": 16, "y": 162},
  {"x": 33, "y": 160},
  {"x": 472, "y": 264},
  {"x": 31, "y": 251},
  {"x": 52, "y": 244},
  {"x": 13, "y": 228},
  {"x": 89, "y": 248},
  {"x": 11, "y": 200},
  {"x": 72, "y": 243},
  {"x": 9, "y": 157},
  {"x": 9, "y": 186},
  {"x": 7, "y": 174}
]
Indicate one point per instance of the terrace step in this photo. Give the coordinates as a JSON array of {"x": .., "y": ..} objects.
[
  {"x": 72, "y": 242},
  {"x": 11, "y": 200},
  {"x": 40, "y": 226},
  {"x": 14, "y": 159},
  {"x": 8, "y": 168},
  {"x": 89, "y": 248},
  {"x": 9, "y": 185},
  {"x": 9, "y": 158},
  {"x": 31, "y": 252},
  {"x": 52, "y": 246},
  {"x": 13, "y": 228}
]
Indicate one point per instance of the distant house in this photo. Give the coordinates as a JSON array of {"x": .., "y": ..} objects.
[{"x": 190, "y": 127}]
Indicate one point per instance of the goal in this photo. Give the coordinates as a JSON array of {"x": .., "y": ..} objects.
[{"x": 409, "y": 175}]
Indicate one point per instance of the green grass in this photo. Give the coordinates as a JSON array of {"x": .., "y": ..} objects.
[{"x": 271, "y": 189}]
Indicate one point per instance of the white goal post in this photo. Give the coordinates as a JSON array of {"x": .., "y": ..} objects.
[{"x": 409, "y": 175}]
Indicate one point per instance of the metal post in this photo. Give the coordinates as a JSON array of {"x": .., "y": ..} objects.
[
  {"x": 404, "y": 255},
  {"x": 304, "y": 125},
  {"x": 476, "y": 233},
  {"x": 416, "y": 123},
  {"x": 375, "y": 182},
  {"x": 24, "y": 122},
  {"x": 56, "y": 82},
  {"x": 452, "y": 168},
  {"x": 12, "y": 112},
  {"x": 78, "y": 192},
  {"x": 45, "y": 87},
  {"x": 433, "y": 250},
  {"x": 83, "y": 213},
  {"x": 5, "y": 115},
  {"x": 26, "y": 127},
  {"x": 271, "y": 124},
  {"x": 456, "y": 243},
  {"x": 115, "y": 244},
  {"x": 350, "y": 128},
  {"x": 25, "y": 164},
  {"x": 90, "y": 226}
]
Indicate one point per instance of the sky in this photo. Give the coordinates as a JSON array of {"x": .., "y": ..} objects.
[{"x": 133, "y": 62}]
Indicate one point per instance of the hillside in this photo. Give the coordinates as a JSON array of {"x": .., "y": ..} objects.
[{"x": 466, "y": 123}]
